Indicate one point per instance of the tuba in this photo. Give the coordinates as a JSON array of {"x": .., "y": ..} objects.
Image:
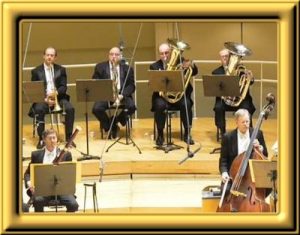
[
  {"x": 177, "y": 48},
  {"x": 235, "y": 68}
]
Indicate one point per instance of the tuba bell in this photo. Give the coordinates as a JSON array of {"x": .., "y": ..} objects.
[
  {"x": 235, "y": 68},
  {"x": 177, "y": 48}
]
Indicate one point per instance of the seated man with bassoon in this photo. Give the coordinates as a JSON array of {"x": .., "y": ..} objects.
[{"x": 48, "y": 155}]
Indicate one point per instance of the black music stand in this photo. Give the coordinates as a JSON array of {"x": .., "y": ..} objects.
[
  {"x": 264, "y": 175},
  {"x": 54, "y": 180},
  {"x": 33, "y": 92},
  {"x": 91, "y": 90},
  {"x": 220, "y": 85},
  {"x": 166, "y": 81}
]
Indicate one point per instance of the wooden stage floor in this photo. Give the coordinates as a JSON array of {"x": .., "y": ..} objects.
[{"x": 126, "y": 159}]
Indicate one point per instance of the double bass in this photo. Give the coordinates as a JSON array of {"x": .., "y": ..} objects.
[{"x": 243, "y": 196}]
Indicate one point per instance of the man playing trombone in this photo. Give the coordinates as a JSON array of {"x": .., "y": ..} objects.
[
  {"x": 56, "y": 98},
  {"x": 124, "y": 87}
]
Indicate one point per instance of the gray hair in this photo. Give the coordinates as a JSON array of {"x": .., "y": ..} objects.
[{"x": 241, "y": 113}]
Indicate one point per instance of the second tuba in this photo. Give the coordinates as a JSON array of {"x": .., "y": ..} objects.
[
  {"x": 177, "y": 48},
  {"x": 235, "y": 68}
]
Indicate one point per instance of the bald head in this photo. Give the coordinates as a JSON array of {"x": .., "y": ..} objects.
[
  {"x": 164, "y": 52},
  {"x": 114, "y": 55},
  {"x": 224, "y": 52}
]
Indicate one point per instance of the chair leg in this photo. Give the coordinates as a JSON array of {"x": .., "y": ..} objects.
[{"x": 154, "y": 129}]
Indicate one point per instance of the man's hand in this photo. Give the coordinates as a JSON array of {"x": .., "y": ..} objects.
[{"x": 225, "y": 176}]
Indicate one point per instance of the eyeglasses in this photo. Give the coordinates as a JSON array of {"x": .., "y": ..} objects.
[{"x": 164, "y": 53}]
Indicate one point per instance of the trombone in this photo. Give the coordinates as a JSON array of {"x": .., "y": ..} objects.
[{"x": 52, "y": 101}]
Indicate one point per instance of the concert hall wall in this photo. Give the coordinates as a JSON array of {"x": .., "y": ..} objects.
[{"x": 87, "y": 43}]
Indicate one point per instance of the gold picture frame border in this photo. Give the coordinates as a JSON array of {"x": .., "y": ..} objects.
[{"x": 281, "y": 10}]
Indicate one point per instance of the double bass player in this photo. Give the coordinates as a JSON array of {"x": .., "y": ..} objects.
[{"x": 239, "y": 193}]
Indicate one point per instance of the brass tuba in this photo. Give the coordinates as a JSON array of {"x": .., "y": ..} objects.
[
  {"x": 235, "y": 68},
  {"x": 177, "y": 48}
]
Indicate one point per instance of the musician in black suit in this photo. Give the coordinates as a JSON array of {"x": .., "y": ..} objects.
[
  {"x": 46, "y": 156},
  {"x": 123, "y": 75},
  {"x": 237, "y": 141},
  {"x": 220, "y": 106},
  {"x": 159, "y": 104},
  {"x": 54, "y": 77}
]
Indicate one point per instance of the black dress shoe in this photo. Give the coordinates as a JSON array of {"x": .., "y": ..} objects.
[
  {"x": 189, "y": 140},
  {"x": 114, "y": 131},
  {"x": 159, "y": 140},
  {"x": 40, "y": 144}
]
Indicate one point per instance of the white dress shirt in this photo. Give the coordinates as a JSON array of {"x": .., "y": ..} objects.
[
  {"x": 49, "y": 156},
  {"x": 49, "y": 72},
  {"x": 243, "y": 141}
]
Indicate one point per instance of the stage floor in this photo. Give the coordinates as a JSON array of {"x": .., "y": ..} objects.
[
  {"x": 153, "y": 181},
  {"x": 126, "y": 159}
]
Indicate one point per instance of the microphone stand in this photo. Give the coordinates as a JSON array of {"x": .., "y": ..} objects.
[{"x": 190, "y": 154}]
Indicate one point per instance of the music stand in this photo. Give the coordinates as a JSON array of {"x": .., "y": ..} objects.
[
  {"x": 33, "y": 92},
  {"x": 166, "y": 81},
  {"x": 54, "y": 180},
  {"x": 220, "y": 85},
  {"x": 264, "y": 175},
  {"x": 91, "y": 90}
]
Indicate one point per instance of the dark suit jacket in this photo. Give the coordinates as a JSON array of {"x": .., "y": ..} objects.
[
  {"x": 60, "y": 79},
  {"x": 102, "y": 71},
  {"x": 229, "y": 148},
  {"x": 38, "y": 157},
  {"x": 220, "y": 71},
  {"x": 158, "y": 65}
]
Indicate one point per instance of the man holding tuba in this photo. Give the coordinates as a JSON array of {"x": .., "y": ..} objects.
[
  {"x": 160, "y": 103},
  {"x": 54, "y": 77},
  {"x": 231, "y": 68}
]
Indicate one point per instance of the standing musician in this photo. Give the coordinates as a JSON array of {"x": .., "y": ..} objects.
[
  {"x": 220, "y": 105},
  {"x": 159, "y": 104},
  {"x": 237, "y": 141},
  {"x": 55, "y": 80},
  {"x": 123, "y": 78},
  {"x": 46, "y": 156}
]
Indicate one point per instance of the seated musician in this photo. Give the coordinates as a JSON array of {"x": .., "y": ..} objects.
[
  {"x": 220, "y": 106},
  {"x": 160, "y": 104},
  {"x": 46, "y": 156},
  {"x": 237, "y": 141},
  {"x": 123, "y": 78},
  {"x": 55, "y": 81}
]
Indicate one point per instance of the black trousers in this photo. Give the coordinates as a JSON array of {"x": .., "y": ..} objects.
[
  {"x": 160, "y": 105},
  {"x": 220, "y": 109},
  {"x": 100, "y": 107},
  {"x": 41, "y": 109},
  {"x": 67, "y": 200}
]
